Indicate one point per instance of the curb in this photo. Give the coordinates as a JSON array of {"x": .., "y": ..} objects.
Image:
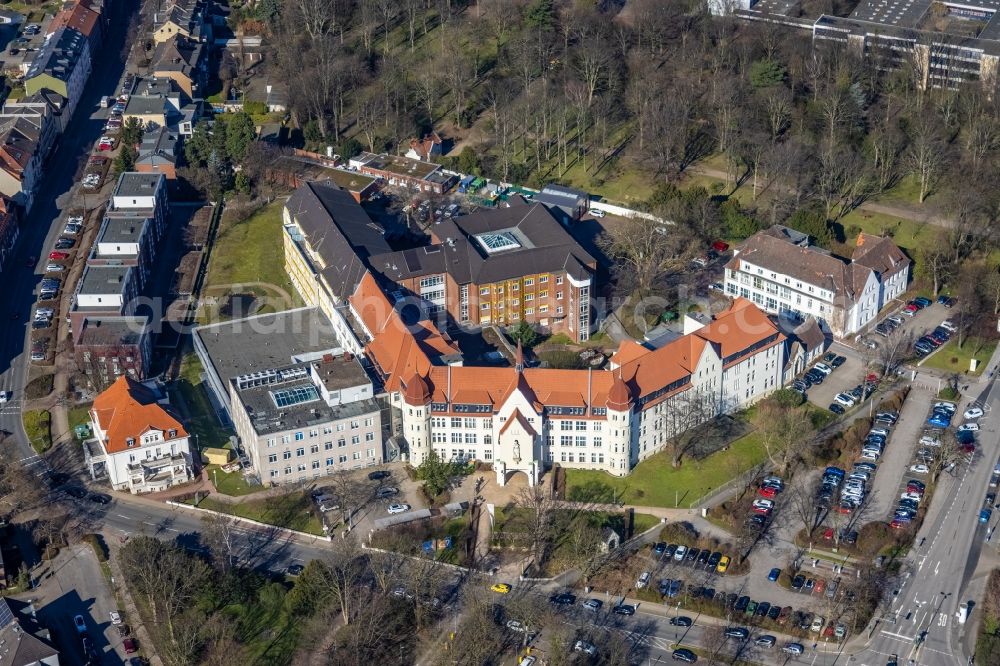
[{"x": 256, "y": 523}]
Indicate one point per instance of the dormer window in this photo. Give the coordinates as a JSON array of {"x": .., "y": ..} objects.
[
  {"x": 130, "y": 442},
  {"x": 171, "y": 433}
]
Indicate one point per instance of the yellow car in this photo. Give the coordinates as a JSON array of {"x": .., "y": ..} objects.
[
  {"x": 502, "y": 588},
  {"x": 723, "y": 564}
]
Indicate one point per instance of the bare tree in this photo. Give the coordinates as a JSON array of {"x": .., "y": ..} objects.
[
  {"x": 893, "y": 349},
  {"x": 540, "y": 507},
  {"x": 805, "y": 505},
  {"x": 784, "y": 431},
  {"x": 646, "y": 253},
  {"x": 925, "y": 156},
  {"x": 682, "y": 414},
  {"x": 221, "y": 536}
]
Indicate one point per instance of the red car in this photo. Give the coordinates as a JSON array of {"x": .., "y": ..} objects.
[
  {"x": 762, "y": 510},
  {"x": 130, "y": 646},
  {"x": 104, "y": 146},
  {"x": 55, "y": 255},
  {"x": 720, "y": 246},
  {"x": 911, "y": 307},
  {"x": 896, "y": 525},
  {"x": 767, "y": 491},
  {"x": 873, "y": 378}
]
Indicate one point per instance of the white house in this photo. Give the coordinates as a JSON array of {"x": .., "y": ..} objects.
[
  {"x": 138, "y": 443},
  {"x": 781, "y": 272}
]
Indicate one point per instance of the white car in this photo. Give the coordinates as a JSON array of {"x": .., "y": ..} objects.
[
  {"x": 879, "y": 431},
  {"x": 54, "y": 268},
  {"x": 585, "y": 647},
  {"x": 643, "y": 580},
  {"x": 911, "y": 496},
  {"x": 763, "y": 504},
  {"x": 4, "y": 396},
  {"x": 680, "y": 553},
  {"x": 519, "y": 627},
  {"x": 824, "y": 368},
  {"x": 398, "y": 508},
  {"x": 968, "y": 427},
  {"x": 116, "y": 618},
  {"x": 948, "y": 326},
  {"x": 594, "y": 212},
  {"x": 920, "y": 469},
  {"x": 946, "y": 406},
  {"x": 817, "y": 624},
  {"x": 871, "y": 454},
  {"x": 973, "y": 413},
  {"x": 927, "y": 440},
  {"x": 844, "y": 399}
]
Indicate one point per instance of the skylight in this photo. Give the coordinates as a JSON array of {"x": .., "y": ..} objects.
[
  {"x": 295, "y": 396},
  {"x": 498, "y": 241}
]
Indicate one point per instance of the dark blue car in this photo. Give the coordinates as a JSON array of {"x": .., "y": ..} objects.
[{"x": 773, "y": 575}]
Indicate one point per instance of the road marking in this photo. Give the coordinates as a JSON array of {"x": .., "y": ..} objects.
[
  {"x": 936, "y": 567},
  {"x": 942, "y": 619},
  {"x": 902, "y": 637}
]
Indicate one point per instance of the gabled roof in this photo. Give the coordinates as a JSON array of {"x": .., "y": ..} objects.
[
  {"x": 543, "y": 246},
  {"x": 127, "y": 410},
  {"x": 177, "y": 54},
  {"x": 76, "y": 16},
  {"x": 425, "y": 147},
  {"x": 879, "y": 253},
  {"x": 339, "y": 231},
  {"x": 518, "y": 418}
]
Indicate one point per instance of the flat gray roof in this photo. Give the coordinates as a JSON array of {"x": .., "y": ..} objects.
[
  {"x": 134, "y": 184},
  {"x": 103, "y": 279},
  {"x": 266, "y": 417},
  {"x": 264, "y": 342},
  {"x": 122, "y": 229}
]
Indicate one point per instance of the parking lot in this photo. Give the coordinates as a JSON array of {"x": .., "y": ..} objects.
[
  {"x": 77, "y": 586},
  {"x": 895, "y": 461}
]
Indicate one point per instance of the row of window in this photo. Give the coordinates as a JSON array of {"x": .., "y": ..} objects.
[
  {"x": 327, "y": 430},
  {"x": 528, "y": 282},
  {"x": 327, "y": 446},
  {"x": 301, "y": 467}
]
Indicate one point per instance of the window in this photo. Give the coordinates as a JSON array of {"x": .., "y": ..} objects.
[
  {"x": 356, "y": 455},
  {"x": 288, "y": 469},
  {"x": 456, "y": 422},
  {"x": 329, "y": 462},
  {"x": 354, "y": 425},
  {"x": 559, "y": 295},
  {"x": 529, "y": 297},
  {"x": 566, "y": 440},
  {"x": 597, "y": 442},
  {"x": 470, "y": 438},
  {"x": 543, "y": 308},
  {"x": 484, "y": 306},
  {"x": 315, "y": 464},
  {"x": 285, "y": 439},
  {"x": 271, "y": 441},
  {"x": 488, "y": 440},
  {"x": 484, "y": 291},
  {"x": 369, "y": 422},
  {"x": 543, "y": 294},
  {"x": 559, "y": 279},
  {"x": 581, "y": 440},
  {"x": 342, "y": 459},
  {"x": 456, "y": 438},
  {"x": 565, "y": 425},
  {"x": 272, "y": 458},
  {"x": 559, "y": 310},
  {"x": 286, "y": 455},
  {"x": 581, "y": 425},
  {"x": 355, "y": 439},
  {"x": 314, "y": 433},
  {"x": 369, "y": 437},
  {"x": 299, "y": 452},
  {"x": 327, "y": 446},
  {"x": 314, "y": 448},
  {"x": 301, "y": 467},
  {"x": 274, "y": 473},
  {"x": 299, "y": 436},
  {"x": 529, "y": 281},
  {"x": 529, "y": 311},
  {"x": 542, "y": 279},
  {"x": 341, "y": 442}
]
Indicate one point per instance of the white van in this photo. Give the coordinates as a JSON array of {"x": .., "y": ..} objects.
[{"x": 105, "y": 102}]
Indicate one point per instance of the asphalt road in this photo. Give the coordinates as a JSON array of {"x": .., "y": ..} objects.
[{"x": 46, "y": 220}]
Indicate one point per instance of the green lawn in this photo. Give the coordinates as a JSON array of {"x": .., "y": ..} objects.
[
  {"x": 655, "y": 482},
  {"x": 249, "y": 251},
  {"x": 38, "y": 426},
  {"x": 79, "y": 415},
  {"x": 953, "y": 359},
  {"x": 232, "y": 483},
  {"x": 200, "y": 419},
  {"x": 644, "y": 521},
  {"x": 294, "y": 511}
]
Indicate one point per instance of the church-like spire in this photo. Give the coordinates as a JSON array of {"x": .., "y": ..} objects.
[{"x": 519, "y": 358}]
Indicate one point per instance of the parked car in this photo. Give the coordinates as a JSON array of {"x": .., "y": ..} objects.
[
  {"x": 773, "y": 575},
  {"x": 80, "y": 624},
  {"x": 973, "y": 413},
  {"x": 685, "y": 655},
  {"x": 793, "y": 648},
  {"x": 596, "y": 212},
  {"x": 398, "y": 508}
]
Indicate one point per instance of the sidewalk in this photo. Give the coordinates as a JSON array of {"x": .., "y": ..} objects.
[{"x": 132, "y": 615}]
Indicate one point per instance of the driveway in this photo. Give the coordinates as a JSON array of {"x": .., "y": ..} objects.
[
  {"x": 844, "y": 378},
  {"x": 76, "y": 586},
  {"x": 893, "y": 466}
]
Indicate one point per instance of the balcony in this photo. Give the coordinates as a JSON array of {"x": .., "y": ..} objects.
[{"x": 157, "y": 474}]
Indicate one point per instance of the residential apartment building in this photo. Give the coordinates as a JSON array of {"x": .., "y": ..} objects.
[
  {"x": 22, "y": 160},
  {"x": 109, "y": 347},
  {"x": 10, "y": 230},
  {"x": 499, "y": 267},
  {"x": 307, "y": 420},
  {"x": 158, "y": 153},
  {"x": 183, "y": 61},
  {"x": 139, "y": 444},
  {"x": 781, "y": 272},
  {"x": 143, "y": 194},
  {"x": 161, "y": 103},
  {"x": 62, "y": 65},
  {"x": 187, "y": 18}
]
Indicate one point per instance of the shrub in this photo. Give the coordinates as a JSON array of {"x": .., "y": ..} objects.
[
  {"x": 39, "y": 387},
  {"x": 787, "y": 397},
  {"x": 96, "y": 542}
]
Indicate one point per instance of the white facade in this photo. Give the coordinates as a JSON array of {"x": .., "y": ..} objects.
[{"x": 154, "y": 461}]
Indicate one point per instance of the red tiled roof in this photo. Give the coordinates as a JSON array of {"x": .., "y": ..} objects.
[{"x": 128, "y": 410}]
